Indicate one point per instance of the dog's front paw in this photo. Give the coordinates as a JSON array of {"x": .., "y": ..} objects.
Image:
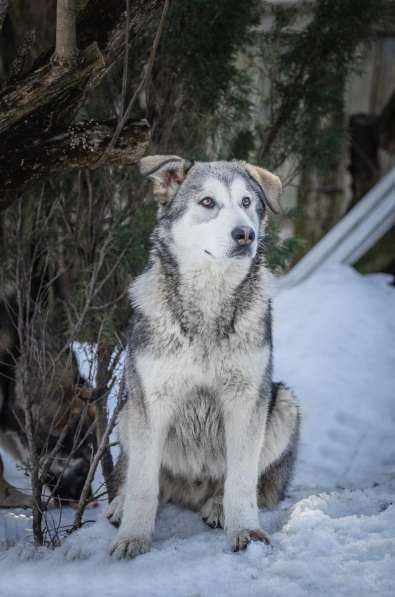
[
  {"x": 114, "y": 510},
  {"x": 127, "y": 548},
  {"x": 239, "y": 540}
]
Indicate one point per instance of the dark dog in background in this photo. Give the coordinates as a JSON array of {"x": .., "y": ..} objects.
[{"x": 62, "y": 412}]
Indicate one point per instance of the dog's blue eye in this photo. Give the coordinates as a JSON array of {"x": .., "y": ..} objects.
[
  {"x": 207, "y": 202},
  {"x": 246, "y": 202}
]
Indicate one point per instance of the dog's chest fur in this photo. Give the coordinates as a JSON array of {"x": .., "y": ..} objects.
[{"x": 196, "y": 337}]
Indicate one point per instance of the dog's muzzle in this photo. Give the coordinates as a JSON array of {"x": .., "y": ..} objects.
[{"x": 243, "y": 236}]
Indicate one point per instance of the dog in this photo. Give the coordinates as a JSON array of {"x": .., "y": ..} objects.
[
  {"x": 204, "y": 426},
  {"x": 62, "y": 414}
]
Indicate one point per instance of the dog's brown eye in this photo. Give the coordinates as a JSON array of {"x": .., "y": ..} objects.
[
  {"x": 246, "y": 202},
  {"x": 207, "y": 202}
]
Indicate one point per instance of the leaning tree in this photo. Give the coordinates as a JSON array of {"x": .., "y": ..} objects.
[{"x": 40, "y": 135}]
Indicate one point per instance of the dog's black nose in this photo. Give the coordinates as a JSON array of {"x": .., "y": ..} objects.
[{"x": 243, "y": 235}]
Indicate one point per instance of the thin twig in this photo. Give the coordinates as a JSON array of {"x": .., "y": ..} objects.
[
  {"x": 3, "y": 12},
  {"x": 143, "y": 85},
  {"x": 125, "y": 61},
  {"x": 94, "y": 464}
]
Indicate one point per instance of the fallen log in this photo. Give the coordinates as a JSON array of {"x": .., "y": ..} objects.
[{"x": 80, "y": 145}]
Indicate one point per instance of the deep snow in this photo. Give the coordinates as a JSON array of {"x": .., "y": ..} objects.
[{"x": 335, "y": 535}]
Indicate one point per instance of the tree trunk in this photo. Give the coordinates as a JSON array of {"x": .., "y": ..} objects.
[{"x": 66, "y": 36}]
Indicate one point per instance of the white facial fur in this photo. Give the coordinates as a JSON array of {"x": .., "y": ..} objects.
[{"x": 206, "y": 233}]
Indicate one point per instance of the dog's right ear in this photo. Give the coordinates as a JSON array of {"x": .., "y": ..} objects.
[{"x": 168, "y": 172}]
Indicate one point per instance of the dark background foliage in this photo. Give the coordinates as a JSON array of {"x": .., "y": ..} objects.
[
  {"x": 200, "y": 103},
  {"x": 253, "y": 80}
]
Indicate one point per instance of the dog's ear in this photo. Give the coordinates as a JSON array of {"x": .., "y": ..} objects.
[
  {"x": 167, "y": 173},
  {"x": 269, "y": 183}
]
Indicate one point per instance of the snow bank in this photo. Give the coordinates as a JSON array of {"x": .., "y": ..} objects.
[
  {"x": 335, "y": 345},
  {"x": 335, "y": 534}
]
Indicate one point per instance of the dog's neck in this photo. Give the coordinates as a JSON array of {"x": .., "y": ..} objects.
[
  {"x": 203, "y": 273},
  {"x": 210, "y": 291},
  {"x": 204, "y": 292},
  {"x": 200, "y": 300}
]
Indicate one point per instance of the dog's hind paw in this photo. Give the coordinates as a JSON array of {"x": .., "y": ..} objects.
[
  {"x": 114, "y": 510},
  {"x": 240, "y": 539},
  {"x": 213, "y": 512},
  {"x": 76, "y": 552},
  {"x": 127, "y": 548}
]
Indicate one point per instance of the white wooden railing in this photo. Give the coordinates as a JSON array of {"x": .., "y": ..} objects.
[{"x": 353, "y": 236}]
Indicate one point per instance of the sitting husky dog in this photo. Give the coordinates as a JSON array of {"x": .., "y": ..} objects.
[{"x": 204, "y": 426}]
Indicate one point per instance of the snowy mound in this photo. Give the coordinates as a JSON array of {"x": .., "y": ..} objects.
[
  {"x": 335, "y": 535},
  {"x": 335, "y": 346}
]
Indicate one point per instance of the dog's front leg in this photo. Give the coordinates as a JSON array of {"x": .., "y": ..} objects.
[
  {"x": 244, "y": 420},
  {"x": 146, "y": 435}
]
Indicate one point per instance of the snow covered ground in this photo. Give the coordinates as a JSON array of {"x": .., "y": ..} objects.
[{"x": 334, "y": 535}]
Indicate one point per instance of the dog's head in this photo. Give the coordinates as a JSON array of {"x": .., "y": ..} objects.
[
  {"x": 67, "y": 475},
  {"x": 212, "y": 210},
  {"x": 69, "y": 469}
]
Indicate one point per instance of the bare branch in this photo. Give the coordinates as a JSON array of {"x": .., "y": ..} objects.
[
  {"x": 102, "y": 447},
  {"x": 143, "y": 85},
  {"x": 125, "y": 61}
]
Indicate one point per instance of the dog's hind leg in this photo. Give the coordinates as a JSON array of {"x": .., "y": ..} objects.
[
  {"x": 205, "y": 495},
  {"x": 280, "y": 447},
  {"x": 213, "y": 510}
]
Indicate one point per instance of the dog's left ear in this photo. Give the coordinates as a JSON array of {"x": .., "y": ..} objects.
[
  {"x": 168, "y": 172},
  {"x": 269, "y": 183}
]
